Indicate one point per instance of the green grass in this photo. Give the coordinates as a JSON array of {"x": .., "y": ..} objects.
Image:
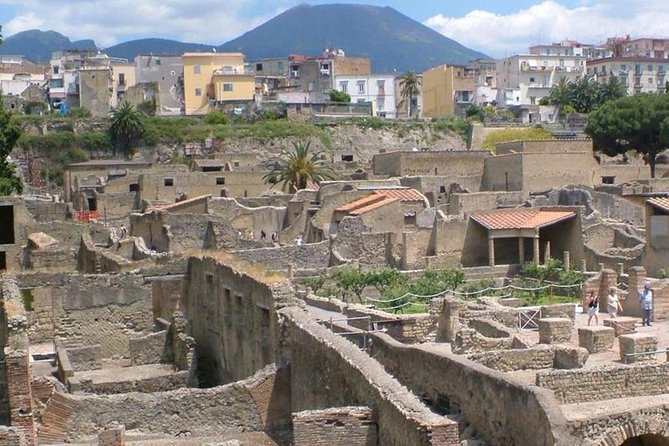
[{"x": 506, "y": 135}]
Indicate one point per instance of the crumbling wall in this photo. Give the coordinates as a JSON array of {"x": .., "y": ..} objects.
[
  {"x": 308, "y": 256},
  {"x": 578, "y": 386},
  {"x": 75, "y": 309},
  {"x": 488, "y": 400},
  {"x": 328, "y": 371},
  {"x": 340, "y": 426},
  {"x": 355, "y": 242}
]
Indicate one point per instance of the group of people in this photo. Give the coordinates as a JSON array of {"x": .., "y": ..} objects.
[{"x": 613, "y": 305}]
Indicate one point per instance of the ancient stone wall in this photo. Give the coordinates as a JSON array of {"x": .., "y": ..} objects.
[
  {"x": 196, "y": 412},
  {"x": 149, "y": 349},
  {"x": 309, "y": 256},
  {"x": 490, "y": 399},
  {"x": 328, "y": 371},
  {"x": 578, "y": 386},
  {"x": 340, "y": 426},
  {"x": 540, "y": 357},
  {"x": 224, "y": 304},
  {"x": 77, "y": 309}
]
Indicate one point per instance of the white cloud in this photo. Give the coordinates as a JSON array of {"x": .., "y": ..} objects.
[
  {"x": 112, "y": 21},
  {"x": 549, "y": 21}
]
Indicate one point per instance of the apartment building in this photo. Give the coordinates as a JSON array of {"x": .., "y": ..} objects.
[
  {"x": 124, "y": 78},
  {"x": 525, "y": 79},
  {"x": 572, "y": 48},
  {"x": 639, "y": 74},
  {"x": 275, "y": 75},
  {"x": 484, "y": 72},
  {"x": 447, "y": 89},
  {"x": 377, "y": 89},
  {"x": 317, "y": 75},
  {"x": 211, "y": 78},
  {"x": 167, "y": 71},
  {"x": 645, "y": 47},
  {"x": 22, "y": 83}
]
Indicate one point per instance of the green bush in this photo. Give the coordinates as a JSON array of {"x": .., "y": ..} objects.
[
  {"x": 216, "y": 117},
  {"x": 506, "y": 135},
  {"x": 79, "y": 113}
]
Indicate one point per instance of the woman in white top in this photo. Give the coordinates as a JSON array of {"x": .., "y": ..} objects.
[{"x": 613, "y": 304}]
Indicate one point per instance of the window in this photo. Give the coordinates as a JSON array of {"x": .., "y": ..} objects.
[
  {"x": 343, "y": 86},
  {"x": 198, "y": 92},
  {"x": 381, "y": 104},
  {"x": 133, "y": 187},
  {"x": 347, "y": 158},
  {"x": 361, "y": 87},
  {"x": 227, "y": 87},
  {"x": 55, "y": 70},
  {"x": 258, "y": 67},
  {"x": 168, "y": 182},
  {"x": 220, "y": 180},
  {"x": 197, "y": 69},
  {"x": 310, "y": 86},
  {"x": 235, "y": 163},
  {"x": 158, "y": 62},
  {"x": 650, "y": 68},
  {"x": 650, "y": 81},
  {"x": 228, "y": 69},
  {"x": 531, "y": 80},
  {"x": 121, "y": 78}
]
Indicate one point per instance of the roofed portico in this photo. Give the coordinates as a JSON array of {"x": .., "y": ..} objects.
[{"x": 505, "y": 225}]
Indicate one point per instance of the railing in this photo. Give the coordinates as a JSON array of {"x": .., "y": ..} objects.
[{"x": 87, "y": 216}]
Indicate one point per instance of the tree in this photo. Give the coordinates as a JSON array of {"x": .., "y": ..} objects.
[
  {"x": 339, "y": 96},
  {"x": 584, "y": 94},
  {"x": 560, "y": 94},
  {"x": 10, "y": 132},
  {"x": 611, "y": 90},
  {"x": 126, "y": 128},
  {"x": 639, "y": 123},
  {"x": 410, "y": 88},
  {"x": 296, "y": 167}
]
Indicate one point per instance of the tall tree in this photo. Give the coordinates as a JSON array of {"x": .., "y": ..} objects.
[
  {"x": 126, "y": 128},
  {"x": 295, "y": 168},
  {"x": 10, "y": 132},
  {"x": 560, "y": 94},
  {"x": 639, "y": 123},
  {"x": 409, "y": 88},
  {"x": 611, "y": 90},
  {"x": 584, "y": 94}
]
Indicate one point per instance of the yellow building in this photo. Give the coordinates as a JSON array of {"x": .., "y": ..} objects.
[
  {"x": 124, "y": 78},
  {"x": 445, "y": 88},
  {"x": 214, "y": 77}
]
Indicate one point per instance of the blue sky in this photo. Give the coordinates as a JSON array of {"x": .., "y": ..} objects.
[{"x": 496, "y": 27}]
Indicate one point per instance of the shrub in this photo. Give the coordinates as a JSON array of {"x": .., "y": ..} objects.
[
  {"x": 216, "y": 117},
  {"x": 507, "y": 135}
]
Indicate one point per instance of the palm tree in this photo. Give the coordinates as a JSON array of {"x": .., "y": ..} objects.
[
  {"x": 410, "y": 88},
  {"x": 295, "y": 168},
  {"x": 584, "y": 94},
  {"x": 126, "y": 127},
  {"x": 560, "y": 93},
  {"x": 611, "y": 90}
]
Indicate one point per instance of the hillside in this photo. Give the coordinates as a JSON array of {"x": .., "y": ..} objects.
[
  {"x": 37, "y": 45},
  {"x": 128, "y": 50},
  {"x": 392, "y": 40}
]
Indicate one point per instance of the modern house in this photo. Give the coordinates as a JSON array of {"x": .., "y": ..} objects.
[
  {"x": 447, "y": 89},
  {"x": 211, "y": 78},
  {"x": 378, "y": 89},
  {"x": 639, "y": 74},
  {"x": 167, "y": 71}
]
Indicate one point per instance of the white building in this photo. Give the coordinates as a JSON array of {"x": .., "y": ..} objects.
[
  {"x": 639, "y": 74},
  {"x": 525, "y": 79},
  {"x": 379, "y": 89},
  {"x": 572, "y": 48}
]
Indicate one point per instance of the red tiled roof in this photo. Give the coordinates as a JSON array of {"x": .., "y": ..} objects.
[
  {"x": 366, "y": 204},
  {"x": 402, "y": 194},
  {"x": 661, "y": 203},
  {"x": 521, "y": 218}
]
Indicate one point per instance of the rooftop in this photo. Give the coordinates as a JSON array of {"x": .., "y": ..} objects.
[
  {"x": 520, "y": 218},
  {"x": 661, "y": 203}
]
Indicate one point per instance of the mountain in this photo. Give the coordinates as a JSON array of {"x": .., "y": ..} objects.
[
  {"x": 392, "y": 40},
  {"x": 128, "y": 50},
  {"x": 37, "y": 45}
]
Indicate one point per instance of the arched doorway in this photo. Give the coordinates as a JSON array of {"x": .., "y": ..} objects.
[{"x": 647, "y": 440}]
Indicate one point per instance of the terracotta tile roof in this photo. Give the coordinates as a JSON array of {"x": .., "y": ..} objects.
[
  {"x": 661, "y": 203},
  {"x": 402, "y": 194},
  {"x": 520, "y": 218},
  {"x": 366, "y": 204}
]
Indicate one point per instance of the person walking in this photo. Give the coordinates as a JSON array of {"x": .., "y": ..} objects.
[
  {"x": 613, "y": 305},
  {"x": 646, "y": 301},
  {"x": 593, "y": 307}
]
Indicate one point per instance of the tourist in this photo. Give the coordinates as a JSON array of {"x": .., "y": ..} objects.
[
  {"x": 299, "y": 241},
  {"x": 263, "y": 235},
  {"x": 646, "y": 300},
  {"x": 593, "y": 307},
  {"x": 123, "y": 232},
  {"x": 613, "y": 304},
  {"x": 275, "y": 237}
]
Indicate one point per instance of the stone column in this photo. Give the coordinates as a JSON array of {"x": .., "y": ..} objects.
[
  {"x": 535, "y": 251},
  {"x": 621, "y": 269},
  {"x": 584, "y": 266},
  {"x": 566, "y": 260},
  {"x": 609, "y": 279},
  {"x": 491, "y": 251},
  {"x": 521, "y": 250},
  {"x": 547, "y": 252}
]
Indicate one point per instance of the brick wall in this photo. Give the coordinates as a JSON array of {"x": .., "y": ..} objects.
[
  {"x": 19, "y": 396},
  {"x": 339, "y": 426},
  {"x": 577, "y": 386}
]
